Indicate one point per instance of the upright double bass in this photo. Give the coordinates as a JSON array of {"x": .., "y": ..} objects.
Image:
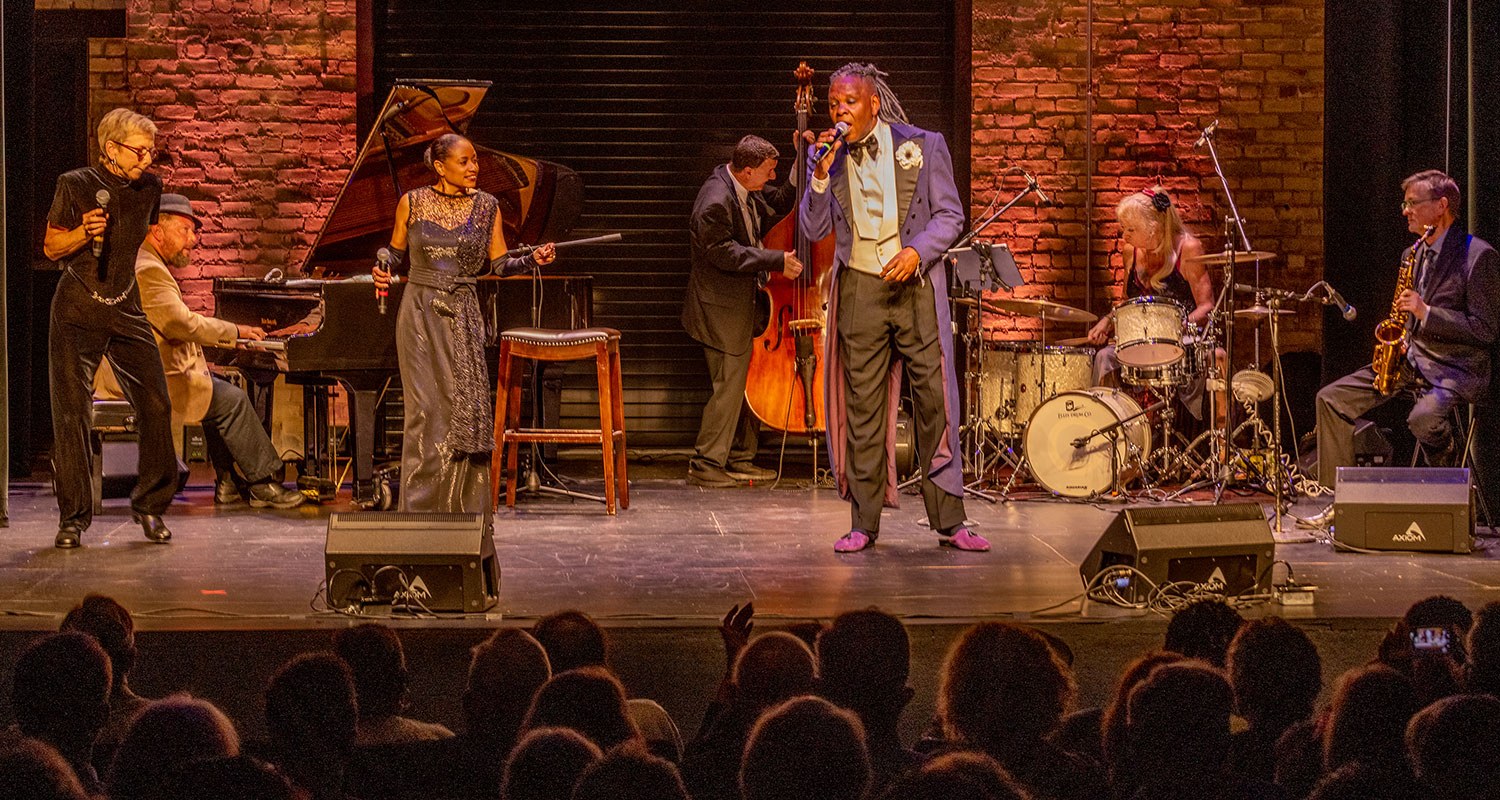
[{"x": 785, "y": 384}]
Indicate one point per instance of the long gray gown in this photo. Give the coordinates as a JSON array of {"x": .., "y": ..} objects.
[{"x": 449, "y": 428}]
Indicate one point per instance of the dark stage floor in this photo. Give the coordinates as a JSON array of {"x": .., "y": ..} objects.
[{"x": 680, "y": 555}]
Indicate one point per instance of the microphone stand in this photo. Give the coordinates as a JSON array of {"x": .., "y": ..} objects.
[
  {"x": 1232, "y": 223},
  {"x": 535, "y": 461},
  {"x": 987, "y": 268}
]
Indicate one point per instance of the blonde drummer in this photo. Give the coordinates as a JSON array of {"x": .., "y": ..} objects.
[{"x": 1162, "y": 260}]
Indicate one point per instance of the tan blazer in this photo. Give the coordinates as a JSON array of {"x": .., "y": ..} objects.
[{"x": 180, "y": 335}]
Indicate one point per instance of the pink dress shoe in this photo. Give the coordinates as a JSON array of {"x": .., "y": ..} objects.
[
  {"x": 853, "y": 542},
  {"x": 965, "y": 539}
]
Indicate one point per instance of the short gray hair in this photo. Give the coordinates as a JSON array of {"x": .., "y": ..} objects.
[
  {"x": 752, "y": 151},
  {"x": 1438, "y": 184},
  {"x": 890, "y": 107},
  {"x": 122, "y": 123}
]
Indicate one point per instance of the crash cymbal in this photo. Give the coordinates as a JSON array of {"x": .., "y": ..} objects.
[
  {"x": 1218, "y": 259},
  {"x": 1260, "y": 312},
  {"x": 1043, "y": 309},
  {"x": 971, "y": 302}
]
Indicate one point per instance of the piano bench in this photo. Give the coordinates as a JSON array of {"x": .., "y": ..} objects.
[
  {"x": 544, "y": 344},
  {"x": 111, "y": 421}
]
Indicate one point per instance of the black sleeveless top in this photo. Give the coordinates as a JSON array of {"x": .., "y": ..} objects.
[{"x": 1174, "y": 286}]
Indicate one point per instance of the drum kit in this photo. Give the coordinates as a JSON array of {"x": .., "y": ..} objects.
[{"x": 1034, "y": 406}]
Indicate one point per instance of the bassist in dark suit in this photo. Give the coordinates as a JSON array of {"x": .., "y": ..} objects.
[{"x": 734, "y": 208}]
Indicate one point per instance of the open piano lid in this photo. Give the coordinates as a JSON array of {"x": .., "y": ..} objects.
[{"x": 539, "y": 200}]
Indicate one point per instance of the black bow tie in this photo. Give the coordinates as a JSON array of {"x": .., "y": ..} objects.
[{"x": 869, "y": 146}]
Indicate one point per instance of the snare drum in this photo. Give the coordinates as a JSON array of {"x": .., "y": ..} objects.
[
  {"x": 1166, "y": 376},
  {"x": 1086, "y": 470},
  {"x": 1148, "y": 331},
  {"x": 1019, "y": 376}
]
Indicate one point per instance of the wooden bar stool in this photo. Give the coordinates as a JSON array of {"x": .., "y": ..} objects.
[{"x": 543, "y": 344}]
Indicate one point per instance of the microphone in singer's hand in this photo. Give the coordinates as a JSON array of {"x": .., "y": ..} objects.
[
  {"x": 838, "y": 130},
  {"x": 383, "y": 258},
  {"x": 102, "y": 198}
]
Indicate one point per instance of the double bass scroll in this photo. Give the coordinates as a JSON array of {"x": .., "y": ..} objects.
[{"x": 784, "y": 388}]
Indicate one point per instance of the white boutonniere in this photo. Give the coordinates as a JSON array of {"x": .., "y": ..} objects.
[{"x": 909, "y": 155}]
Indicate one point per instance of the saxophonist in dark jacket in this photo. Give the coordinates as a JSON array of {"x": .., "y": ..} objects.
[{"x": 1453, "y": 308}]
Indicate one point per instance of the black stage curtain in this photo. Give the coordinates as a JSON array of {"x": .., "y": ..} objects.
[
  {"x": 643, "y": 99},
  {"x": 1385, "y": 112},
  {"x": 1389, "y": 67}
]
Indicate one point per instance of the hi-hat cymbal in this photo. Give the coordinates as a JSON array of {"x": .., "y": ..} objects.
[
  {"x": 1217, "y": 259},
  {"x": 1044, "y": 309},
  {"x": 1260, "y": 312}
]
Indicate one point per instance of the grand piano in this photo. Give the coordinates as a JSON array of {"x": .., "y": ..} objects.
[{"x": 335, "y": 331}]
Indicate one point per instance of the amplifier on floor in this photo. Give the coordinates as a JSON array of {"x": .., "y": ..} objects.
[
  {"x": 1404, "y": 508},
  {"x": 1227, "y": 549},
  {"x": 440, "y": 562}
]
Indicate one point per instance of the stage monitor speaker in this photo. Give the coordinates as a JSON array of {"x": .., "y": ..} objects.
[
  {"x": 1226, "y": 548},
  {"x": 1404, "y": 508},
  {"x": 440, "y": 562}
]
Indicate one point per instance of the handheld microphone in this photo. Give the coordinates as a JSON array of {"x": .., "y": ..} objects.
[
  {"x": 383, "y": 258},
  {"x": 1208, "y": 133},
  {"x": 839, "y": 131},
  {"x": 102, "y": 198},
  {"x": 1347, "y": 310}
]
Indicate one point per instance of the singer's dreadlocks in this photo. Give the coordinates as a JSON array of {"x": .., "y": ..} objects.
[{"x": 890, "y": 107}]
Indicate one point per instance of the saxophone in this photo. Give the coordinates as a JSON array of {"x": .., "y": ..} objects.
[{"x": 1391, "y": 334}]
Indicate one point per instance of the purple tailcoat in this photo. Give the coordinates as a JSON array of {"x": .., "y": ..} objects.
[{"x": 932, "y": 218}]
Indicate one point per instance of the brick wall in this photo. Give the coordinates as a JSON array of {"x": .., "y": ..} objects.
[
  {"x": 255, "y": 100},
  {"x": 79, "y": 5},
  {"x": 1160, "y": 71}
]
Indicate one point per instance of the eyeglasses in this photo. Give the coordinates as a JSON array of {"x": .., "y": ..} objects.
[
  {"x": 1407, "y": 205},
  {"x": 141, "y": 153}
]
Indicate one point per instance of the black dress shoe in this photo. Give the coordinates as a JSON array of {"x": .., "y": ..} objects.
[
  {"x": 69, "y": 536},
  {"x": 710, "y": 477},
  {"x": 746, "y": 471},
  {"x": 153, "y": 527},
  {"x": 227, "y": 490},
  {"x": 271, "y": 494}
]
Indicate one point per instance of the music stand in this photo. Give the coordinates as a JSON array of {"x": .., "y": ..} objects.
[{"x": 985, "y": 267}]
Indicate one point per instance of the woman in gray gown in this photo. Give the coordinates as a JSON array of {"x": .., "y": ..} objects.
[{"x": 451, "y": 232}]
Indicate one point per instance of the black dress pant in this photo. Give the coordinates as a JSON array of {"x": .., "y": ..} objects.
[
  {"x": 877, "y": 320},
  {"x": 235, "y": 436},
  {"x": 728, "y": 432},
  {"x": 84, "y": 331},
  {"x": 1345, "y": 400}
]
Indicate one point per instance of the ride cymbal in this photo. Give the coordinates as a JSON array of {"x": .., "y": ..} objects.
[{"x": 1043, "y": 309}]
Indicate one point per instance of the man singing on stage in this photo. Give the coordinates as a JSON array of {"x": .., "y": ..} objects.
[
  {"x": 1454, "y": 309},
  {"x": 734, "y": 208},
  {"x": 886, "y": 190}
]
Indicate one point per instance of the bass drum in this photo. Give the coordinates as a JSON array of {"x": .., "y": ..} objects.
[{"x": 1088, "y": 470}]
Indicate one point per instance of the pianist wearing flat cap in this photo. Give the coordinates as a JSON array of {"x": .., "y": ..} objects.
[
  {"x": 247, "y": 465},
  {"x": 450, "y": 232}
]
